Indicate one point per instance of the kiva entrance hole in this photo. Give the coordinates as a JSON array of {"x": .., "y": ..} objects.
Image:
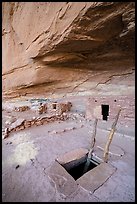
[{"x": 77, "y": 170}]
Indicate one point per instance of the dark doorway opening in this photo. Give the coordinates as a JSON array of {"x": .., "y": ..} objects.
[
  {"x": 78, "y": 170},
  {"x": 105, "y": 111}
]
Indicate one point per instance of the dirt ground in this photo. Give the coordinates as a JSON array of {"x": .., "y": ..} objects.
[{"x": 30, "y": 172}]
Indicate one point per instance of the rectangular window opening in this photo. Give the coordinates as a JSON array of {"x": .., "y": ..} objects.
[{"x": 54, "y": 106}]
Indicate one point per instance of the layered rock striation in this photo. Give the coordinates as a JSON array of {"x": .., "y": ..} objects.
[{"x": 51, "y": 45}]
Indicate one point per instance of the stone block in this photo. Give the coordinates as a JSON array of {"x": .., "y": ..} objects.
[
  {"x": 6, "y": 133},
  {"x": 96, "y": 177},
  {"x": 21, "y": 127},
  {"x": 38, "y": 123},
  {"x": 17, "y": 123},
  {"x": 64, "y": 183},
  {"x": 16, "y": 129},
  {"x": 27, "y": 124},
  {"x": 72, "y": 158},
  {"x": 32, "y": 122}
]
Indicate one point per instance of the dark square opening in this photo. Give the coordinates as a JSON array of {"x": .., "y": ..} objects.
[
  {"x": 54, "y": 106},
  {"x": 105, "y": 111},
  {"x": 78, "y": 170}
]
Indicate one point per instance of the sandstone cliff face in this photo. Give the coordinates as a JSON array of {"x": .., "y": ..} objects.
[{"x": 57, "y": 45}]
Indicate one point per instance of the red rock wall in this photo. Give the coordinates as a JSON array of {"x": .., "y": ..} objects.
[{"x": 47, "y": 46}]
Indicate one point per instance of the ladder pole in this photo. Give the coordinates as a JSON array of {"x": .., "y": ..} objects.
[
  {"x": 93, "y": 140},
  {"x": 92, "y": 147},
  {"x": 110, "y": 137}
]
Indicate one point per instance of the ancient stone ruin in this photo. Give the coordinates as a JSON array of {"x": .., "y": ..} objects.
[
  {"x": 54, "y": 110},
  {"x": 68, "y": 102},
  {"x": 106, "y": 107},
  {"x": 22, "y": 108}
]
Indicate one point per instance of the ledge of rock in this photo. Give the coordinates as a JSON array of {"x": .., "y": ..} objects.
[{"x": 55, "y": 43}]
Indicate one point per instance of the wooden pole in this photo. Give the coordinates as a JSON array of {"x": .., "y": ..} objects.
[
  {"x": 110, "y": 137},
  {"x": 92, "y": 147},
  {"x": 93, "y": 139}
]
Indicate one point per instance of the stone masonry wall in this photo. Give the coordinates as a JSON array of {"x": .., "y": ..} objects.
[
  {"x": 127, "y": 104},
  {"x": 58, "y": 108}
]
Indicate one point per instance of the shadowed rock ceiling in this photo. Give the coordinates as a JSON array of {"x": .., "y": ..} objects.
[{"x": 53, "y": 45}]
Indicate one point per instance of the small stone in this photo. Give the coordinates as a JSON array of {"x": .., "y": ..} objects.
[
  {"x": 74, "y": 128},
  {"x": 17, "y": 166},
  {"x": 22, "y": 127},
  {"x": 6, "y": 134},
  {"x": 8, "y": 143},
  {"x": 27, "y": 124},
  {"x": 6, "y": 130},
  {"x": 54, "y": 132},
  {"x": 16, "y": 129},
  {"x": 32, "y": 122},
  {"x": 42, "y": 121},
  {"x": 38, "y": 123}
]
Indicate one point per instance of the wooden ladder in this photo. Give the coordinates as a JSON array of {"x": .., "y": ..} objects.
[{"x": 93, "y": 140}]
